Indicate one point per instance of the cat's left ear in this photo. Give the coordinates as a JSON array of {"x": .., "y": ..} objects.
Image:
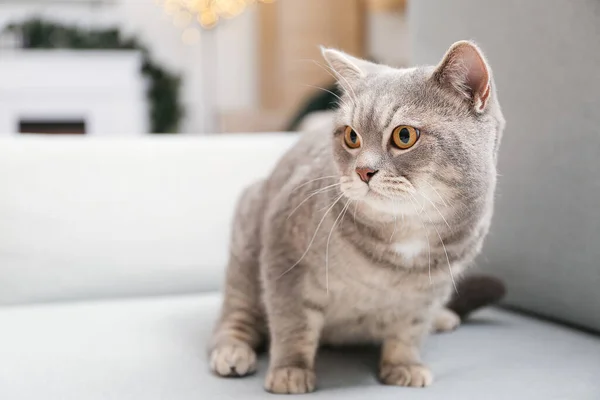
[
  {"x": 350, "y": 69},
  {"x": 465, "y": 70}
]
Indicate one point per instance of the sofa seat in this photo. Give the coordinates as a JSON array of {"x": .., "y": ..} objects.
[{"x": 153, "y": 348}]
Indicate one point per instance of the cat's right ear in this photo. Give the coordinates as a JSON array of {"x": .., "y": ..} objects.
[{"x": 350, "y": 69}]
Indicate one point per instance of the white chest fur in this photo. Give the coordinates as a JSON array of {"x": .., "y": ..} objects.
[{"x": 409, "y": 248}]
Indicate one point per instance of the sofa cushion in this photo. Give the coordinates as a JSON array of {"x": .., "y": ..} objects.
[{"x": 153, "y": 348}]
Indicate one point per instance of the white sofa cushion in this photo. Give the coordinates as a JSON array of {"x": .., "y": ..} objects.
[
  {"x": 154, "y": 348},
  {"x": 83, "y": 217}
]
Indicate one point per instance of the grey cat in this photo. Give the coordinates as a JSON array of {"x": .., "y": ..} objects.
[{"x": 360, "y": 235}]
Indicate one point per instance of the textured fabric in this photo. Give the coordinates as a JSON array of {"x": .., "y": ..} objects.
[
  {"x": 84, "y": 218},
  {"x": 545, "y": 55},
  {"x": 151, "y": 349}
]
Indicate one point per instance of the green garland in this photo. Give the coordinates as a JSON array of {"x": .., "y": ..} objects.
[{"x": 164, "y": 90}]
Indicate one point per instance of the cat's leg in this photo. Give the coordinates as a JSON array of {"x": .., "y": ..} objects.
[
  {"x": 296, "y": 319},
  {"x": 241, "y": 327},
  {"x": 295, "y": 333},
  {"x": 400, "y": 355},
  {"x": 400, "y": 363},
  {"x": 240, "y": 330},
  {"x": 445, "y": 320}
]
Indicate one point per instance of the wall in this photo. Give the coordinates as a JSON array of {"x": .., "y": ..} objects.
[
  {"x": 237, "y": 46},
  {"x": 388, "y": 38}
]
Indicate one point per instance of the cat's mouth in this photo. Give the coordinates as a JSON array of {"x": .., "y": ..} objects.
[
  {"x": 382, "y": 189},
  {"x": 389, "y": 193},
  {"x": 390, "y": 187}
]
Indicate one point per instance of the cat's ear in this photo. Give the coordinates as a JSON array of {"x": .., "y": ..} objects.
[
  {"x": 464, "y": 70},
  {"x": 351, "y": 69}
]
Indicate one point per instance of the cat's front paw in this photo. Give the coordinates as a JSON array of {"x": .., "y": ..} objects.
[
  {"x": 405, "y": 375},
  {"x": 231, "y": 360},
  {"x": 290, "y": 380}
]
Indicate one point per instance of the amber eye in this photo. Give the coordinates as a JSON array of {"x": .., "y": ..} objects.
[
  {"x": 351, "y": 138},
  {"x": 404, "y": 136}
]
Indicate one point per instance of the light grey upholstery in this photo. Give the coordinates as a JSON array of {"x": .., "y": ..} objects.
[
  {"x": 114, "y": 217},
  {"x": 152, "y": 349},
  {"x": 545, "y": 237}
]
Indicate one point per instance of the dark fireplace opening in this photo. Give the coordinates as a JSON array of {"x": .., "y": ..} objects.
[{"x": 51, "y": 127}]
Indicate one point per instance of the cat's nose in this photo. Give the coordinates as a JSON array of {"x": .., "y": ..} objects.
[{"x": 366, "y": 174}]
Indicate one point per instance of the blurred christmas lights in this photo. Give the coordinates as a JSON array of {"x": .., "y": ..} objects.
[{"x": 206, "y": 12}]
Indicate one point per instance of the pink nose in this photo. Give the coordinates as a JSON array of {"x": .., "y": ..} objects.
[{"x": 366, "y": 174}]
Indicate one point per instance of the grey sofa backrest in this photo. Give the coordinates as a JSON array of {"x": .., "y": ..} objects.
[{"x": 545, "y": 54}]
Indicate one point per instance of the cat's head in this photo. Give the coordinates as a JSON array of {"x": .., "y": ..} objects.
[{"x": 416, "y": 135}]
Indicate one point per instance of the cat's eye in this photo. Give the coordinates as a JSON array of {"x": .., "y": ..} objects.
[
  {"x": 404, "y": 136},
  {"x": 351, "y": 138}
]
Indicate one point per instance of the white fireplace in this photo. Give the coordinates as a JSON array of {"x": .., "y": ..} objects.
[{"x": 55, "y": 91}]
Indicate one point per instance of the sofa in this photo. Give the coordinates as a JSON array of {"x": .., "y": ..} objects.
[{"x": 112, "y": 252}]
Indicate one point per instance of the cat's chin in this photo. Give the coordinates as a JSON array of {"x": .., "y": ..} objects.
[
  {"x": 372, "y": 195},
  {"x": 399, "y": 204},
  {"x": 389, "y": 198}
]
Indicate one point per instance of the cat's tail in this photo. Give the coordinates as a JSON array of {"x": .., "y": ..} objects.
[{"x": 475, "y": 292}]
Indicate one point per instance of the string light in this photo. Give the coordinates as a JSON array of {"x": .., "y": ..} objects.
[{"x": 207, "y": 12}]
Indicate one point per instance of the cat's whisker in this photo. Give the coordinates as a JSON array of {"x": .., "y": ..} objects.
[
  {"x": 437, "y": 209},
  {"x": 328, "y": 91},
  {"x": 445, "y": 251},
  {"x": 330, "y": 71},
  {"x": 427, "y": 237},
  {"x": 313, "y": 180},
  {"x": 327, "y": 246},
  {"x": 355, "y": 208},
  {"x": 313, "y": 237},
  {"x": 333, "y": 185},
  {"x": 354, "y": 99},
  {"x": 312, "y": 194},
  {"x": 323, "y": 208},
  {"x": 437, "y": 193},
  {"x": 336, "y": 75},
  {"x": 322, "y": 190},
  {"x": 393, "y": 194},
  {"x": 318, "y": 64},
  {"x": 343, "y": 216}
]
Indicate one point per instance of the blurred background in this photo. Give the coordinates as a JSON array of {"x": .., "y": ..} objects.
[{"x": 128, "y": 67}]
